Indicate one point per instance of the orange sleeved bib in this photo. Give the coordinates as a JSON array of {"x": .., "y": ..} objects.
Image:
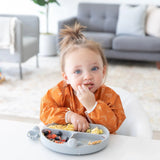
[{"x": 60, "y": 99}]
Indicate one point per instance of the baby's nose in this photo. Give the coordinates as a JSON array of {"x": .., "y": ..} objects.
[{"x": 88, "y": 75}]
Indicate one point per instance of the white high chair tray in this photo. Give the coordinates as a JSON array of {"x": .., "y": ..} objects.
[{"x": 77, "y": 143}]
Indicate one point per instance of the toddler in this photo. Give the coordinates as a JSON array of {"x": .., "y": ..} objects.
[{"x": 82, "y": 98}]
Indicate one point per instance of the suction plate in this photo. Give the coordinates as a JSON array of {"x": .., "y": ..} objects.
[{"x": 77, "y": 143}]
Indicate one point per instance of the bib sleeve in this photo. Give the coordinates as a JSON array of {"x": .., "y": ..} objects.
[
  {"x": 52, "y": 108},
  {"x": 109, "y": 114}
]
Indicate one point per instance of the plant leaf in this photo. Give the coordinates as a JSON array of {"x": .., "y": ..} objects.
[
  {"x": 43, "y": 2},
  {"x": 40, "y": 2},
  {"x": 53, "y": 1}
]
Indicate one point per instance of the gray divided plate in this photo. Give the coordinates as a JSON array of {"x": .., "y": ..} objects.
[{"x": 78, "y": 141}]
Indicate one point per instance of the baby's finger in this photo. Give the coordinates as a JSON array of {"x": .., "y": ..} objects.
[
  {"x": 85, "y": 127},
  {"x": 80, "y": 127},
  {"x": 80, "y": 89},
  {"x": 75, "y": 126},
  {"x": 85, "y": 88},
  {"x": 78, "y": 92}
]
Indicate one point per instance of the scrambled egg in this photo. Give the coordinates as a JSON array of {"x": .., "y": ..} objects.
[
  {"x": 95, "y": 131},
  {"x": 70, "y": 127}
]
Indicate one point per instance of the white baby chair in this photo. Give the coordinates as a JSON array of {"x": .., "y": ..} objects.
[{"x": 137, "y": 122}]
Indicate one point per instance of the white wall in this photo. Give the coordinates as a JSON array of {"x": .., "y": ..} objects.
[{"x": 66, "y": 9}]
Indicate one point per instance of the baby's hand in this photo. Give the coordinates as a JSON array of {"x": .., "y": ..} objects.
[
  {"x": 79, "y": 122},
  {"x": 86, "y": 97}
]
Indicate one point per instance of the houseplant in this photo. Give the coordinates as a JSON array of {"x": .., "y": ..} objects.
[{"x": 47, "y": 39}]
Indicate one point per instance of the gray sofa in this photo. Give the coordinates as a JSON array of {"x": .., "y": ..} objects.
[{"x": 101, "y": 22}]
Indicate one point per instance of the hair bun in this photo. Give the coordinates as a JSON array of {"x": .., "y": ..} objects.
[{"x": 72, "y": 35}]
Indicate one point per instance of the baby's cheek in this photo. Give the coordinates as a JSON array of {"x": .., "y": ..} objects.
[{"x": 78, "y": 84}]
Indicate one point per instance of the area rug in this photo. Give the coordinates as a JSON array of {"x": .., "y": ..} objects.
[{"x": 21, "y": 98}]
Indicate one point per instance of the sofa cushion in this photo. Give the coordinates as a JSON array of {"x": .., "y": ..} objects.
[
  {"x": 98, "y": 17},
  {"x": 131, "y": 20},
  {"x": 153, "y": 21},
  {"x": 104, "y": 39},
  {"x": 134, "y": 43}
]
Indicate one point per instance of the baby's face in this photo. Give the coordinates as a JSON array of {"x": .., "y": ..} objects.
[{"x": 84, "y": 67}]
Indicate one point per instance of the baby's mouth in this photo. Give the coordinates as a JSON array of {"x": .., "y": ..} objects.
[{"x": 89, "y": 85}]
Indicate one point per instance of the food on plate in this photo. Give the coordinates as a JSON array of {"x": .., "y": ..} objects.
[
  {"x": 70, "y": 127},
  {"x": 95, "y": 131},
  {"x": 94, "y": 142},
  {"x": 57, "y": 138}
]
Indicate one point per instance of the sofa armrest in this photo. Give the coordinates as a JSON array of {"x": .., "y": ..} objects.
[
  {"x": 27, "y": 26},
  {"x": 30, "y": 24}
]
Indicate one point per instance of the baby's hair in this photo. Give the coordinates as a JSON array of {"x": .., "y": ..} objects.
[
  {"x": 72, "y": 39},
  {"x": 71, "y": 36}
]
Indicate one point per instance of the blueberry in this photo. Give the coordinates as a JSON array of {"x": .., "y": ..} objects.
[
  {"x": 59, "y": 133},
  {"x": 45, "y": 132},
  {"x": 67, "y": 139},
  {"x": 57, "y": 138}
]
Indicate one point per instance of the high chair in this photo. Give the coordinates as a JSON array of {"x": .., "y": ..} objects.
[{"x": 137, "y": 121}]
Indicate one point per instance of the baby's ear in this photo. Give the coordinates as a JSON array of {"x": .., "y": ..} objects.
[
  {"x": 65, "y": 77},
  {"x": 104, "y": 70}
]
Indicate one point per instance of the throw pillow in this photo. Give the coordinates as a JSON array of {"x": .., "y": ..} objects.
[
  {"x": 153, "y": 21},
  {"x": 131, "y": 20}
]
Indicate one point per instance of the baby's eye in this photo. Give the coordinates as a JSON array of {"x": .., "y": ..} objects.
[
  {"x": 78, "y": 71},
  {"x": 95, "y": 68}
]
